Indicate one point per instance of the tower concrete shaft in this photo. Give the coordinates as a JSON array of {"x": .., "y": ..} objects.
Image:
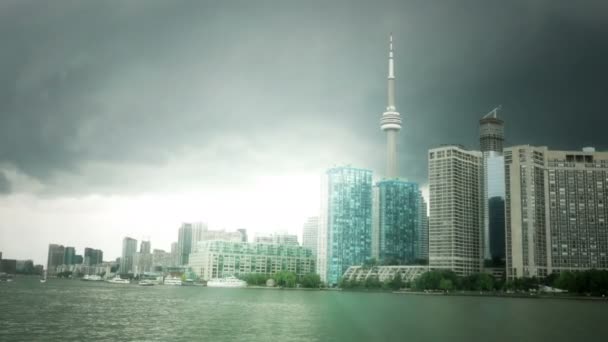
[{"x": 391, "y": 120}]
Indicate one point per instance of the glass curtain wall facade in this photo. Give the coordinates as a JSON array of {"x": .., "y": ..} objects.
[
  {"x": 398, "y": 216},
  {"x": 422, "y": 231},
  {"x": 494, "y": 199},
  {"x": 491, "y": 139},
  {"x": 345, "y": 234}
]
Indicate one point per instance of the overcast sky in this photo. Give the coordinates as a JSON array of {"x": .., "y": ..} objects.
[{"x": 128, "y": 118}]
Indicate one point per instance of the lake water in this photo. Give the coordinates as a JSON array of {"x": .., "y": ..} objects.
[{"x": 79, "y": 311}]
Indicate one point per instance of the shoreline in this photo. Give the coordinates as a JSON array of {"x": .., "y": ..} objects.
[{"x": 503, "y": 295}]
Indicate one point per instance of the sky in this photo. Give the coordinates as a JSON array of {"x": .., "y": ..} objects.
[{"x": 127, "y": 118}]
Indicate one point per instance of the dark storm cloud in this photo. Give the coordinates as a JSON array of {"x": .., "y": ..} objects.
[
  {"x": 254, "y": 84},
  {"x": 5, "y": 185}
]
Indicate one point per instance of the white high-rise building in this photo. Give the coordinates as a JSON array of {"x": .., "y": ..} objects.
[
  {"x": 310, "y": 234},
  {"x": 129, "y": 248},
  {"x": 556, "y": 210},
  {"x": 455, "y": 239}
]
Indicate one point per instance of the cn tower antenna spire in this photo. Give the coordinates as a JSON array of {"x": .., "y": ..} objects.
[{"x": 391, "y": 120}]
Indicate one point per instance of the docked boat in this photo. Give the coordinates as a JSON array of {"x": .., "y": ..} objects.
[
  {"x": 147, "y": 282},
  {"x": 93, "y": 277},
  {"x": 230, "y": 282},
  {"x": 118, "y": 280},
  {"x": 173, "y": 281}
]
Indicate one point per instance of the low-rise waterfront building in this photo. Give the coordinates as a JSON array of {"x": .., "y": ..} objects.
[{"x": 218, "y": 259}]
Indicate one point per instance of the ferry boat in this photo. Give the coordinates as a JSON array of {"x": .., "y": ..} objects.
[
  {"x": 173, "y": 281},
  {"x": 230, "y": 281},
  {"x": 118, "y": 280}
]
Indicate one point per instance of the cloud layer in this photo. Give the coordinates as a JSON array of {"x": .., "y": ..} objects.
[{"x": 157, "y": 97}]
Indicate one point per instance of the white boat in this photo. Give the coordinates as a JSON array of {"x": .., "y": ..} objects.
[
  {"x": 43, "y": 279},
  {"x": 147, "y": 282},
  {"x": 230, "y": 281},
  {"x": 173, "y": 281},
  {"x": 118, "y": 280},
  {"x": 93, "y": 277}
]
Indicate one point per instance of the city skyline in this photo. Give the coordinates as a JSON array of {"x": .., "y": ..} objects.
[{"x": 86, "y": 158}]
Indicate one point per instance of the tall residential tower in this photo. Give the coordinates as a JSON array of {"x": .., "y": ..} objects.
[
  {"x": 556, "y": 211},
  {"x": 455, "y": 209},
  {"x": 345, "y": 223}
]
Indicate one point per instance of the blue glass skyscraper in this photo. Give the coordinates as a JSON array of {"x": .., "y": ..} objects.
[
  {"x": 398, "y": 216},
  {"x": 345, "y": 234}
]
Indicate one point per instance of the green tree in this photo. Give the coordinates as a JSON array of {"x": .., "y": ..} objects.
[
  {"x": 372, "y": 282},
  {"x": 446, "y": 284},
  {"x": 396, "y": 283},
  {"x": 285, "y": 279},
  {"x": 310, "y": 280}
]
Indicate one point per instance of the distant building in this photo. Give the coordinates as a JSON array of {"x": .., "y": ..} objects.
[
  {"x": 222, "y": 234},
  {"x": 93, "y": 256},
  {"x": 54, "y": 258},
  {"x": 25, "y": 266},
  {"x": 8, "y": 266},
  {"x": 184, "y": 243},
  {"x": 345, "y": 223},
  {"x": 455, "y": 239},
  {"x": 143, "y": 260},
  {"x": 310, "y": 234},
  {"x": 263, "y": 239},
  {"x": 422, "y": 231},
  {"x": 142, "y": 263},
  {"x": 397, "y": 223},
  {"x": 174, "y": 254},
  {"x": 161, "y": 259},
  {"x": 278, "y": 238},
  {"x": 219, "y": 259},
  {"x": 129, "y": 248},
  {"x": 78, "y": 259},
  {"x": 243, "y": 233},
  {"x": 145, "y": 247},
  {"x": 491, "y": 137},
  {"x": 556, "y": 210},
  {"x": 68, "y": 255}
]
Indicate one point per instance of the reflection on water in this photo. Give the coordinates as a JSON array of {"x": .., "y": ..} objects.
[{"x": 76, "y": 310}]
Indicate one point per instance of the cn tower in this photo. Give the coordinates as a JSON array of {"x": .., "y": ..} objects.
[{"x": 391, "y": 120}]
